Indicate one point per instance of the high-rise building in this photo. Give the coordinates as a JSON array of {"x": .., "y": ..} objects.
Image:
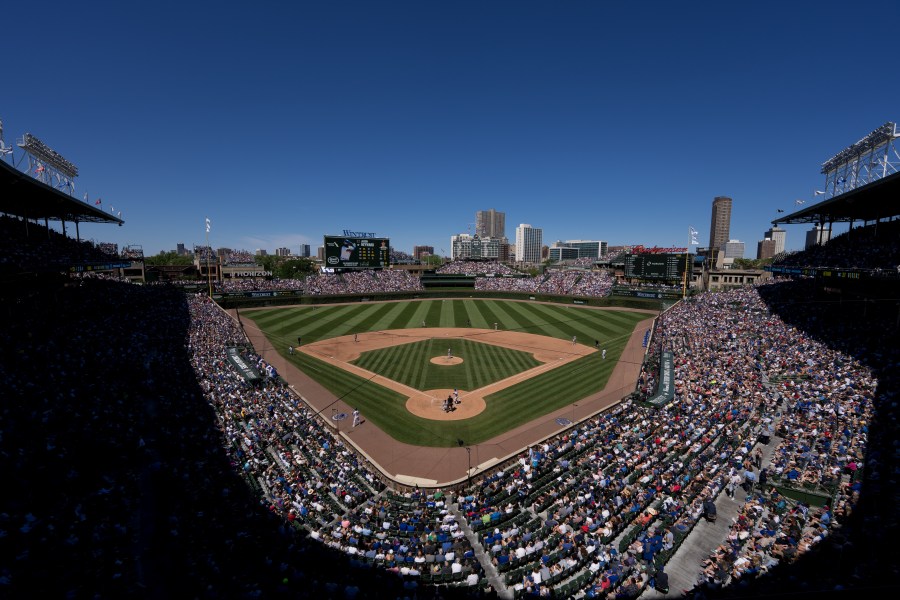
[
  {"x": 490, "y": 223},
  {"x": 320, "y": 253},
  {"x": 720, "y": 227},
  {"x": 557, "y": 253},
  {"x": 734, "y": 249},
  {"x": 262, "y": 252},
  {"x": 282, "y": 251},
  {"x": 587, "y": 248},
  {"x": 765, "y": 249},
  {"x": 817, "y": 236},
  {"x": 304, "y": 251},
  {"x": 528, "y": 243},
  {"x": 421, "y": 251},
  {"x": 180, "y": 250},
  {"x": 777, "y": 235}
]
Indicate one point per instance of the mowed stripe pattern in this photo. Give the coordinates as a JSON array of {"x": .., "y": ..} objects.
[
  {"x": 411, "y": 365},
  {"x": 505, "y": 410},
  {"x": 317, "y": 323}
]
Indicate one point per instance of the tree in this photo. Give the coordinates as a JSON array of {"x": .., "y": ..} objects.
[
  {"x": 749, "y": 263},
  {"x": 294, "y": 268},
  {"x": 170, "y": 258},
  {"x": 268, "y": 262}
]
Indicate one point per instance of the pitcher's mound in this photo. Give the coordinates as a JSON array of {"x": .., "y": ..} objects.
[
  {"x": 430, "y": 405},
  {"x": 443, "y": 360}
]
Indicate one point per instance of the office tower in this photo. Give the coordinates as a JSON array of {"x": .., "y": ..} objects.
[
  {"x": 777, "y": 235},
  {"x": 817, "y": 236},
  {"x": 720, "y": 227},
  {"x": 528, "y": 243},
  {"x": 587, "y": 248},
  {"x": 734, "y": 249},
  {"x": 304, "y": 250},
  {"x": 490, "y": 223},
  {"x": 765, "y": 249}
]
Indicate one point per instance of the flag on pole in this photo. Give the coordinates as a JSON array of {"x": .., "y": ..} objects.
[
  {"x": 99, "y": 201},
  {"x": 842, "y": 180},
  {"x": 207, "y": 224},
  {"x": 693, "y": 232},
  {"x": 779, "y": 210},
  {"x": 40, "y": 169},
  {"x": 817, "y": 193},
  {"x": 85, "y": 197},
  {"x": 799, "y": 202}
]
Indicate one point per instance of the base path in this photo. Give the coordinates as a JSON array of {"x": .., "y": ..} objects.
[
  {"x": 435, "y": 467},
  {"x": 551, "y": 352}
]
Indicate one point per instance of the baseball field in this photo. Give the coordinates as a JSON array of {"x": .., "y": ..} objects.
[{"x": 501, "y": 363}]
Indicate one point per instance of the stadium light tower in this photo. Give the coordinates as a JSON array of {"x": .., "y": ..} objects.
[{"x": 873, "y": 157}]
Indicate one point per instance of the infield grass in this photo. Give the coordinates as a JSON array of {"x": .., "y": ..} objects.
[
  {"x": 411, "y": 365},
  {"x": 506, "y": 409}
]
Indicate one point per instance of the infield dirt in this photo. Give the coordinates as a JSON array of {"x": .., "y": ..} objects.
[
  {"x": 438, "y": 467},
  {"x": 341, "y": 351}
]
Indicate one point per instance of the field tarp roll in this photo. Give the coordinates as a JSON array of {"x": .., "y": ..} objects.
[
  {"x": 666, "y": 391},
  {"x": 247, "y": 371}
]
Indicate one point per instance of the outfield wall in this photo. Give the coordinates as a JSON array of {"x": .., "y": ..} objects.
[{"x": 265, "y": 299}]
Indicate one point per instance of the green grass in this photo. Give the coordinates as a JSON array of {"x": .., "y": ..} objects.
[
  {"x": 505, "y": 410},
  {"x": 411, "y": 365}
]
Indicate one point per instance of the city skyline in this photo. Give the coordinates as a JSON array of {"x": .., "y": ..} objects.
[{"x": 405, "y": 120}]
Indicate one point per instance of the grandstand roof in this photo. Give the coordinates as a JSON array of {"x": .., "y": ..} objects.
[
  {"x": 24, "y": 196},
  {"x": 876, "y": 200}
]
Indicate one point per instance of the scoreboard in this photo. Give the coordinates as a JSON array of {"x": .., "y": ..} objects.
[
  {"x": 357, "y": 252},
  {"x": 656, "y": 267}
]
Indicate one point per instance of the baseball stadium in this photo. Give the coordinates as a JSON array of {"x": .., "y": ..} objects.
[{"x": 462, "y": 431}]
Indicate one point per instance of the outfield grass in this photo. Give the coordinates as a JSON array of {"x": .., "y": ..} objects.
[
  {"x": 505, "y": 410},
  {"x": 411, "y": 365}
]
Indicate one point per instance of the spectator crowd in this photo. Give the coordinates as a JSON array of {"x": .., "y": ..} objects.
[
  {"x": 565, "y": 282},
  {"x": 872, "y": 247},
  {"x": 474, "y": 267},
  {"x": 141, "y": 461}
]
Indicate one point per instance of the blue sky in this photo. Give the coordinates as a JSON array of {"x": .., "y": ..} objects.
[{"x": 591, "y": 120}]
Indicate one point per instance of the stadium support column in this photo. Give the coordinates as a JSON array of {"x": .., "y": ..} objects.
[
  {"x": 469, "y": 470},
  {"x": 208, "y": 252}
]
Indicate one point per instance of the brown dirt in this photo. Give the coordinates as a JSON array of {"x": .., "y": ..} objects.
[
  {"x": 430, "y": 405},
  {"x": 434, "y": 467},
  {"x": 554, "y": 353},
  {"x": 445, "y": 361}
]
